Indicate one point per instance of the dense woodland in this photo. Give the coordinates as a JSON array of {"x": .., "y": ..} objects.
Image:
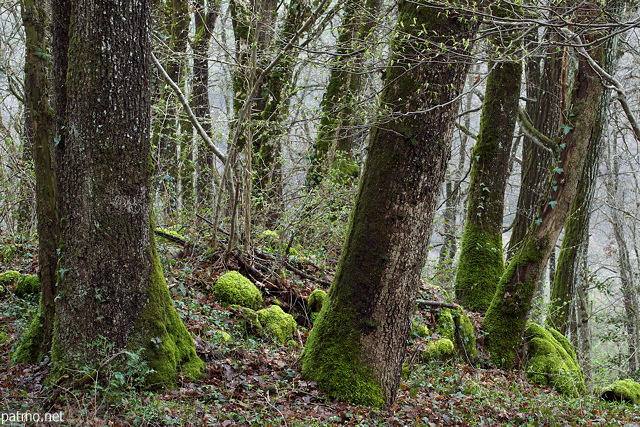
[{"x": 305, "y": 212}]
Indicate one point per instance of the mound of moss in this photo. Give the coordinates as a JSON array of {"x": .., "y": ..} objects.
[
  {"x": 315, "y": 302},
  {"x": 622, "y": 391},
  {"x": 10, "y": 278},
  {"x": 29, "y": 284},
  {"x": 234, "y": 288},
  {"x": 276, "y": 324},
  {"x": 552, "y": 361},
  {"x": 441, "y": 349},
  {"x": 456, "y": 326}
]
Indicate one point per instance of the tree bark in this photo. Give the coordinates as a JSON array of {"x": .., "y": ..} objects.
[
  {"x": 110, "y": 283},
  {"x": 356, "y": 348}
]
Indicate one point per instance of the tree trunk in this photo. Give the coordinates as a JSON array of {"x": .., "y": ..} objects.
[
  {"x": 40, "y": 130},
  {"x": 110, "y": 283},
  {"x": 356, "y": 348},
  {"x": 506, "y": 317},
  {"x": 339, "y": 129},
  {"x": 481, "y": 261}
]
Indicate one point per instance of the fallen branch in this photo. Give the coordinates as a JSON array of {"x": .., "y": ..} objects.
[{"x": 426, "y": 304}]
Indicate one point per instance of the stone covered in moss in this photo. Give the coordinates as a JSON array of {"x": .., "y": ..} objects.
[
  {"x": 552, "y": 361},
  {"x": 622, "y": 391},
  {"x": 276, "y": 324},
  {"x": 234, "y": 288},
  {"x": 441, "y": 349},
  {"x": 10, "y": 278},
  {"x": 29, "y": 284},
  {"x": 315, "y": 301},
  {"x": 419, "y": 330},
  {"x": 456, "y": 326}
]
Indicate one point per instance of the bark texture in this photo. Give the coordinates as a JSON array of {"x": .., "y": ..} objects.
[
  {"x": 356, "y": 348},
  {"x": 110, "y": 283}
]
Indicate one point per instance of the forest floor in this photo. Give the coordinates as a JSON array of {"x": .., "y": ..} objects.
[{"x": 252, "y": 382}]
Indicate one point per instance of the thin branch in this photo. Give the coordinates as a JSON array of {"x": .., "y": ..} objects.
[
  {"x": 192, "y": 117},
  {"x": 535, "y": 135}
]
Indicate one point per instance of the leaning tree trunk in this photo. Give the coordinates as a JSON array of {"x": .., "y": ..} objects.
[
  {"x": 507, "y": 315},
  {"x": 356, "y": 348},
  {"x": 40, "y": 130},
  {"x": 481, "y": 261},
  {"x": 110, "y": 283}
]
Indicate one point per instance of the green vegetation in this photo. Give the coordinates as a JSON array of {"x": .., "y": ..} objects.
[
  {"x": 234, "y": 288},
  {"x": 441, "y": 349},
  {"x": 552, "y": 361},
  {"x": 277, "y": 324},
  {"x": 622, "y": 391}
]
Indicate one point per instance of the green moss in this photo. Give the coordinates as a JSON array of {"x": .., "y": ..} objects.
[
  {"x": 31, "y": 347},
  {"x": 331, "y": 358},
  {"x": 169, "y": 348},
  {"x": 442, "y": 349},
  {"x": 220, "y": 335},
  {"x": 480, "y": 268},
  {"x": 171, "y": 233},
  {"x": 8, "y": 252},
  {"x": 419, "y": 330},
  {"x": 234, "y": 288},
  {"x": 622, "y": 391},
  {"x": 456, "y": 326},
  {"x": 2, "y": 290},
  {"x": 552, "y": 361},
  {"x": 276, "y": 324},
  {"x": 316, "y": 299},
  {"x": 28, "y": 284},
  {"x": 10, "y": 278}
]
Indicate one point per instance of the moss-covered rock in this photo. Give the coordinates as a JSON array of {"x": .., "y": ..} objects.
[
  {"x": 441, "y": 349},
  {"x": 419, "y": 330},
  {"x": 29, "y": 284},
  {"x": 456, "y": 326},
  {"x": 622, "y": 391},
  {"x": 276, "y": 324},
  {"x": 552, "y": 361},
  {"x": 10, "y": 278},
  {"x": 234, "y": 288},
  {"x": 316, "y": 299}
]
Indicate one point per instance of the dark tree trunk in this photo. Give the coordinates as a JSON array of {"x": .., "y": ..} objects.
[
  {"x": 40, "y": 130},
  {"x": 110, "y": 282},
  {"x": 356, "y": 348}
]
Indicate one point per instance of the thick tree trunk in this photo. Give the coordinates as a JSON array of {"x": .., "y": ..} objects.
[
  {"x": 481, "y": 261},
  {"x": 40, "y": 130},
  {"x": 356, "y": 348},
  {"x": 506, "y": 317},
  {"x": 110, "y": 282}
]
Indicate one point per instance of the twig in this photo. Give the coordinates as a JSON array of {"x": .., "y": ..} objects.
[{"x": 425, "y": 303}]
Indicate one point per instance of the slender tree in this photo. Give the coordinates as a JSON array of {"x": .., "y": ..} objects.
[
  {"x": 110, "y": 283},
  {"x": 481, "y": 260},
  {"x": 356, "y": 348}
]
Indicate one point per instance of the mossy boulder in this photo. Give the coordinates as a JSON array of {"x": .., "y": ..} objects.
[
  {"x": 456, "y": 326},
  {"x": 552, "y": 361},
  {"x": 10, "y": 278},
  {"x": 419, "y": 330},
  {"x": 29, "y": 284},
  {"x": 441, "y": 349},
  {"x": 234, "y": 288},
  {"x": 276, "y": 324},
  {"x": 315, "y": 301},
  {"x": 622, "y": 391}
]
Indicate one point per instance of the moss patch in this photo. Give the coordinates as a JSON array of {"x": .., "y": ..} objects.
[
  {"x": 29, "y": 284},
  {"x": 456, "y": 326},
  {"x": 441, "y": 349},
  {"x": 31, "y": 347},
  {"x": 622, "y": 391},
  {"x": 331, "y": 358},
  {"x": 234, "y": 288},
  {"x": 552, "y": 361},
  {"x": 315, "y": 302},
  {"x": 276, "y": 324},
  {"x": 10, "y": 278}
]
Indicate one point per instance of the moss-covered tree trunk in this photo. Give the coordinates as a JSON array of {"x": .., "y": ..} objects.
[
  {"x": 481, "y": 261},
  {"x": 339, "y": 128},
  {"x": 110, "y": 283},
  {"x": 356, "y": 348},
  {"x": 40, "y": 130},
  {"x": 506, "y": 317}
]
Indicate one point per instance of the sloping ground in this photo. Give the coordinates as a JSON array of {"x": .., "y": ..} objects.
[{"x": 250, "y": 381}]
